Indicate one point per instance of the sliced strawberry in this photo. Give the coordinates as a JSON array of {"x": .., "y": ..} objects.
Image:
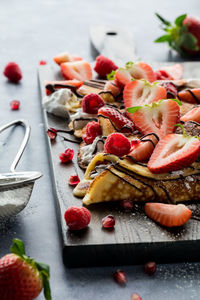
[
  {"x": 159, "y": 117},
  {"x": 65, "y": 57},
  {"x": 142, "y": 149},
  {"x": 169, "y": 215},
  {"x": 191, "y": 96},
  {"x": 141, "y": 92},
  {"x": 60, "y": 84},
  {"x": 174, "y": 152},
  {"x": 138, "y": 70},
  {"x": 192, "y": 115},
  {"x": 175, "y": 71},
  {"x": 117, "y": 118},
  {"x": 80, "y": 70},
  {"x": 110, "y": 86}
]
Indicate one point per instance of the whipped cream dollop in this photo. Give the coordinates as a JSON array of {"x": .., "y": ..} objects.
[
  {"x": 56, "y": 102},
  {"x": 89, "y": 150},
  {"x": 80, "y": 119}
]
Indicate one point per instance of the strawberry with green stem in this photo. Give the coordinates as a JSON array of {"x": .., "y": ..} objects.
[
  {"x": 22, "y": 278},
  {"x": 182, "y": 36}
]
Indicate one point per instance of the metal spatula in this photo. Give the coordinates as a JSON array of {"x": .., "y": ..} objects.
[{"x": 16, "y": 187}]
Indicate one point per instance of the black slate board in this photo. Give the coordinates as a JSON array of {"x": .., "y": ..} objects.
[{"x": 136, "y": 239}]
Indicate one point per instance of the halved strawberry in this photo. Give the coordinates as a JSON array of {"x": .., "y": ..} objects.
[
  {"x": 117, "y": 118},
  {"x": 65, "y": 57},
  {"x": 138, "y": 70},
  {"x": 192, "y": 115},
  {"x": 59, "y": 84},
  {"x": 141, "y": 92},
  {"x": 158, "y": 117},
  {"x": 80, "y": 70},
  {"x": 174, "y": 152},
  {"x": 168, "y": 215},
  {"x": 174, "y": 72},
  {"x": 191, "y": 96},
  {"x": 142, "y": 149}
]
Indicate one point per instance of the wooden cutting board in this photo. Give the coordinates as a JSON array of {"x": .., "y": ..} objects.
[{"x": 136, "y": 239}]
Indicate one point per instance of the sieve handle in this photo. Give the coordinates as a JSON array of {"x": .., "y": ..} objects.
[{"x": 24, "y": 142}]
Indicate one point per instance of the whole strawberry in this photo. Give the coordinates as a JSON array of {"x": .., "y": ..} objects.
[
  {"x": 21, "y": 278},
  {"x": 183, "y": 36},
  {"x": 13, "y": 72}
]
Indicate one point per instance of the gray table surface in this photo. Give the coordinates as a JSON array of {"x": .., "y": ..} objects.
[{"x": 29, "y": 32}]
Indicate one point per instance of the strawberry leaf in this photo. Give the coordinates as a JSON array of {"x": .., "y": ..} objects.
[
  {"x": 189, "y": 41},
  {"x": 129, "y": 64},
  {"x": 180, "y": 19},
  {"x": 45, "y": 274},
  {"x": 18, "y": 247},
  {"x": 163, "y": 20},
  {"x": 183, "y": 129},
  {"x": 111, "y": 75},
  {"x": 198, "y": 159},
  {"x": 177, "y": 101},
  {"x": 133, "y": 109},
  {"x": 163, "y": 39}
]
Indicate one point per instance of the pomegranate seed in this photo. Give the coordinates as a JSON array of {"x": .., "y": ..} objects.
[
  {"x": 150, "y": 268},
  {"x": 73, "y": 180},
  {"x": 127, "y": 204},
  {"x": 15, "y": 104},
  {"x": 135, "y": 297},
  {"x": 120, "y": 277},
  {"x": 67, "y": 156},
  {"x": 52, "y": 133},
  {"x": 108, "y": 222},
  {"x": 43, "y": 62}
]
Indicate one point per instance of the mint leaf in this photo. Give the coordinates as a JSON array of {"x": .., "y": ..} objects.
[
  {"x": 198, "y": 159},
  {"x": 163, "y": 39},
  {"x": 133, "y": 109},
  {"x": 180, "y": 19},
  {"x": 163, "y": 20},
  {"x": 111, "y": 75},
  {"x": 18, "y": 247}
]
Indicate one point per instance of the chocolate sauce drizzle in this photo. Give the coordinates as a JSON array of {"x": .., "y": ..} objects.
[
  {"x": 129, "y": 173},
  {"x": 54, "y": 87},
  {"x": 118, "y": 130}
]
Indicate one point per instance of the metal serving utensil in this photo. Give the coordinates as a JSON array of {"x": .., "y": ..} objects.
[{"x": 16, "y": 187}]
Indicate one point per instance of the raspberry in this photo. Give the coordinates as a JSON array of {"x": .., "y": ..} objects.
[
  {"x": 93, "y": 129},
  {"x": 91, "y": 103},
  {"x": 52, "y": 133},
  {"x": 13, "y": 72},
  {"x": 104, "y": 66},
  {"x": 108, "y": 222},
  {"x": 162, "y": 75},
  {"x": 150, "y": 268},
  {"x": 171, "y": 89},
  {"x": 67, "y": 156},
  {"x": 77, "y": 217},
  {"x": 73, "y": 180},
  {"x": 43, "y": 62},
  {"x": 118, "y": 144},
  {"x": 120, "y": 277},
  {"x": 15, "y": 104}
]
